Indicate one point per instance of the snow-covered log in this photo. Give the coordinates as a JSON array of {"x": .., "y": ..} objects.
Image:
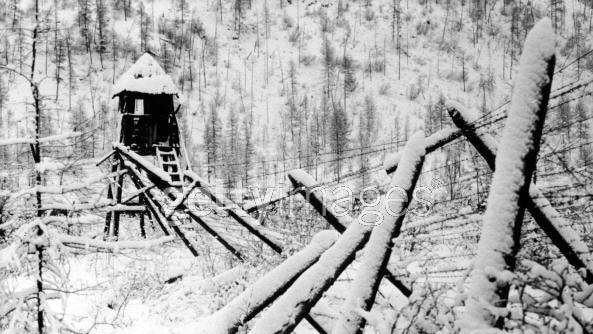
[
  {"x": 286, "y": 313},
  {"x": 515, "y": 161},
  {"x": 433, "y": 142},
  {"x": 550, "y": 221},
  {"x": 265, "y": 290},
  {"x": 378, "y": 250},
  {"x": 308, "y": 187},
  {"x": 195, "y": 216}
]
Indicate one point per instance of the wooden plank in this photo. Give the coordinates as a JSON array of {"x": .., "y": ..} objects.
[{"x": 118, "y": 194}]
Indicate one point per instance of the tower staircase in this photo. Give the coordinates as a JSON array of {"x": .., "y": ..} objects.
[{"x": 169, "y": 162}]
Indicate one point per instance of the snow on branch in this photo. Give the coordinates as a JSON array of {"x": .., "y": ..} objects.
[
  {"x": 515, "y": 163},
  {"x": 260, "y": 294},
  {"x": 29, "y": 140},
  {"x": 107, "y": 246},
  {"x": 378, "y": 250},
  {"x": 60, "y": 190}
]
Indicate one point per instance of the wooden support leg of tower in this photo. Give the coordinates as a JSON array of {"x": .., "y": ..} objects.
[
  {"x": 142, "y": 226},
  {"x": 118, "y": 194},
  {"x": 178, "y": 204},
  {"x": 548, "y": 219},
  {"x": 108, "y": 231},
  {"x": 305, "y": 189},
  {"x": 107, "y": 228},
  {"x": 157, "y": 211}
]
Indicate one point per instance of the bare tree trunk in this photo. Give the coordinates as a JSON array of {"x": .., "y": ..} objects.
[{"x": 36, "y": 157}]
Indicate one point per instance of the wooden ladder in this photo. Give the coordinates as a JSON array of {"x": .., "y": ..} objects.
[{"x": 168, "y": 161}]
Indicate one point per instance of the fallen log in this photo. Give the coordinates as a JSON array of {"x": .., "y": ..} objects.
[{"x": 268, "y": 288}]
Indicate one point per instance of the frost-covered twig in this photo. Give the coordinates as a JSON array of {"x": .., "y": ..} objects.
[
  {"x": 515, "y": 163},
  {"x": 377, "y": 252}
]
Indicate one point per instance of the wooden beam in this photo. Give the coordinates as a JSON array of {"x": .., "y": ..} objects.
[
  {"x": 305, "y": 185},
  {"x": 500, "y": 237},
  {"x": 548, "y": 219},
  {"x": 266, "y": 290},
  {"x": 433, "y": 143},
  {"x": 163, "y": 181},
  {"x": 377, "y": 252},
  {"x": 234, "y": 211},
  {"x": 157, "y": 211}
]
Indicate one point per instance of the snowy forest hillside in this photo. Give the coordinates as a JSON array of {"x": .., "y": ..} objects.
[
  {"x": 295, "y": 118},
  {"x": 275, "y": 82}
]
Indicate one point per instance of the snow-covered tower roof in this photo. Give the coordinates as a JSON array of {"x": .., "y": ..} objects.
[{"x": 146, "y": 76}]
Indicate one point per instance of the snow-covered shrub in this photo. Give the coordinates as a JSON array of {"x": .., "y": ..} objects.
[
  {"x": 325, "y": 23},
  {"x": 384, "y": 88},
  {"x": 415, "y": 89},
  {"x": 307, "y": 59},
  {"x": 553, "y": 299},
  {"x": 369, "y": 14},
  {"x": 294, "y": 36},
  {"x": 544, "y": 299},
  {"x": 287, "y": 21}
]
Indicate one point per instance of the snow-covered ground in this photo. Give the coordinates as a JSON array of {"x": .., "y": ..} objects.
[{"x": 441, "y": 54}]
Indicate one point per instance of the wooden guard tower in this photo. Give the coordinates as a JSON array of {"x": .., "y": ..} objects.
[
  {"x": 149, "y": 129},
  {"x": 148, "y": 124},
  {"x": 149, "y": 155}
]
